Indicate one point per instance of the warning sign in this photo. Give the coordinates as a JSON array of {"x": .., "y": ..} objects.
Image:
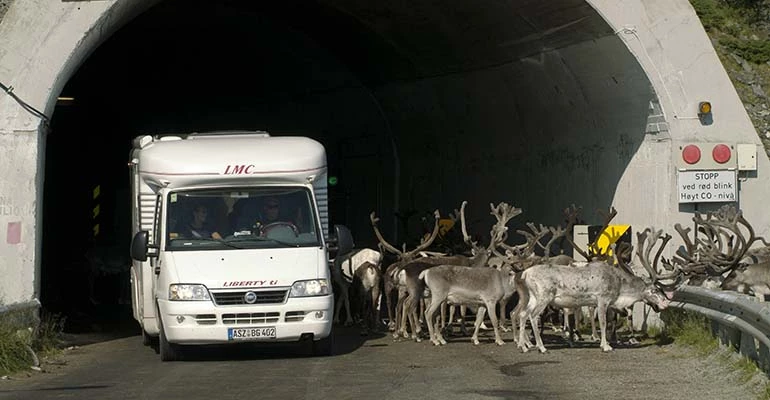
[
  {"x": 707, "y": 186},
  {"x": 604, "y": 239}
]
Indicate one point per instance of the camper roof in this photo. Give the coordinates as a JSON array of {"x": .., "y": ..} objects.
[{"x": 233, "y": 156}]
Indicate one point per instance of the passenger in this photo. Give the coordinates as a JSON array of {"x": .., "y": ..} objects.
[{"x": 200, "y": 227}]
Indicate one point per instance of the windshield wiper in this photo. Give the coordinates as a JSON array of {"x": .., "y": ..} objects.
[
  {"x": 206, "y": 240},
  {"x": 248, "y": 238}
]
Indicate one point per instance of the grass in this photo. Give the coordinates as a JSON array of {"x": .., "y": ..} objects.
[
  {"x": 693, "y": 331},
  {"x": 17, "y": 345},
  {"x": 13, "y": 351}
]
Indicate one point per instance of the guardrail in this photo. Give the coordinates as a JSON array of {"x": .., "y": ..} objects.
[{"x": 739, "y": 321}]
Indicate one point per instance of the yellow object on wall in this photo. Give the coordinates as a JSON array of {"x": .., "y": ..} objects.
[{"x": 612, "y": 234}]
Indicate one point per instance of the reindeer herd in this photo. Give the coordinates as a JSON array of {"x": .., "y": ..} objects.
[{"x": 421, "y": 286}]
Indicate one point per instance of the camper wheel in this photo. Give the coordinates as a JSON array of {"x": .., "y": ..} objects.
[
  {"x": 148, "y": 340},
  {"x": 168, "y": 351},
  {"x": 323, "y": 347}
]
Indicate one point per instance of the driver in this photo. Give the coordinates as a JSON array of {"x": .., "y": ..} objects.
[
  {"x": 272, "y": 215},
  {"x": 255, "y": 214},
  {"x": 271, "y": 210}
]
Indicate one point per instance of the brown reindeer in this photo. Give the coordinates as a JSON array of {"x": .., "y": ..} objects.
[{"x": 390, "y": 276}]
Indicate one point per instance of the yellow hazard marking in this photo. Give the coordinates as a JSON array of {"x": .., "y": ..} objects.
[
  {"x": 608, "y": 237},
  {"x": 96, "y": 230},
  {"x": 444, "y": 225},
  {"x": 96, "y": 211},
  {"x": 97, "y": 190}
]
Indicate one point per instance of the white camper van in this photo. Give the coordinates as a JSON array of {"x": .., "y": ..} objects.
[{"x": 230, "y": 240}]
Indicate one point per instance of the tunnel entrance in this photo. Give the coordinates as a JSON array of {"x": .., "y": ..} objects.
[
  {"x": 190, "y": 67},
  {"x": 419, "y": 108}
]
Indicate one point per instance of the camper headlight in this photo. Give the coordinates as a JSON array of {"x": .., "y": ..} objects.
[
  {"x": 185, "y": 292},
  {"x": 312, "y": 287}
]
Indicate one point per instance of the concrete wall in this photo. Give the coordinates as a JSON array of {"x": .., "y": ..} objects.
[
  {"x": 594, "y": 123},
  {"x": 672, "y": 47},
  {"x": 541, "y": 133},
  {"x": 41, "y": 44}
]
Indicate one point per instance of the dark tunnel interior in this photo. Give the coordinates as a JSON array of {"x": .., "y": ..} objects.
[{"x": 419, "y": 106}]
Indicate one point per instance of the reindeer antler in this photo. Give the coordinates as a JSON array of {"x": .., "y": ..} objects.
[
  {"x": 724, "y": 246},
  {"x": 645, "y": 246},
  {"x": 532, "y": 241},
  {"x": 571, "y": 214},
  {"x": 623, "y": 253},
  {"x": 466, "y": 237},
  {"x": 503, "y": 213},
  {"x": 425, "y": 243},
  {"x": 556, "y": 233},
  {"x": 384, "y": 243},
  {"x": 593, "y": 248}
]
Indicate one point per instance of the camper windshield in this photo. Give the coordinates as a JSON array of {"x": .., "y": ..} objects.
[{"x": 241, "y": 218}]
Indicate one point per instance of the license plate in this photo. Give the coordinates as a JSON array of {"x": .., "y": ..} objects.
[{"x": 265, "y": 332}]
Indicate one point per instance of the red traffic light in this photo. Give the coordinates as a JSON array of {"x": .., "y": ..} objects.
[
  {"x": 721, "y": 153},
  {"x": 691, "y": 154}
]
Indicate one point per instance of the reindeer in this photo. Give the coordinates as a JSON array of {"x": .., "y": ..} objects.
[
  {"x": 484, "y": 287},
  {"x": 391, "y": 276},
  {"x": 594, "y": 253},
  {"x": 752, "y": 275},
  {"x": 502, "y": 213},
  {"x": 368, "y": 278},
  {"x": 519, "y": 257},
  {"x": 752, "y": 279},
  {"x": 344, "y": 271},
  {"x": 405, "y": 275},
  {"x": 723, "y": 257},
  {"x": 464, "y": 285},
  {"x": 522, "y": 260},
  {"x": 597, "y": 284}
]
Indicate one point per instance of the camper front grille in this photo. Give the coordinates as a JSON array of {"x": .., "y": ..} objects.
[
  {"x": 262, "y": 297},
  {"x": 294, "y": 316},
  {"x": 250, "y": 318},
  {"x": 206, "y": 319}
]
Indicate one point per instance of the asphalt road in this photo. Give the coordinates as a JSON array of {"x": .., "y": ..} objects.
[{"x": 377, "y": 367}]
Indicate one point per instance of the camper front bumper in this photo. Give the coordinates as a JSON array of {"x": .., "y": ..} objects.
[{"x": 201, "y": 322}]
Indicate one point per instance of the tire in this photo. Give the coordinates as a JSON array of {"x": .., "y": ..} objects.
[
  {"x": 168, "y": 351},
  {"x": 147, "y": 339},
  {"x": 324, "y": 347}
]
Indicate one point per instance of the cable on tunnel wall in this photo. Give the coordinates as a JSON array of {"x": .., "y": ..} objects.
[
  {"x": 631, "y": 30},
  {"x": 30, "y": 109}
]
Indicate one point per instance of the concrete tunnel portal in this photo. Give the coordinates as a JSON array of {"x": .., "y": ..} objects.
[{"x": 420, "y": 106}]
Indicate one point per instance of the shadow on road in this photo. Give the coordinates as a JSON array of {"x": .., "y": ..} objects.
[
  {"x": 346, "y": 340},
  {"x": 98, "y": 323},
  {"x": 110, "y": 322}
]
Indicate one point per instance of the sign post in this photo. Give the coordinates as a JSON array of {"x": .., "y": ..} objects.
[{"x": 709, "y": 186}]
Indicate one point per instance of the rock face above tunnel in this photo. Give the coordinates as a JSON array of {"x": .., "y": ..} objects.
[{"x": 4, "y": 5}]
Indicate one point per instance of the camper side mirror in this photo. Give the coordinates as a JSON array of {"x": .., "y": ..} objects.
[
  {"x": 140, "y": 249},
  {"x": 343, "y": 239}
]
